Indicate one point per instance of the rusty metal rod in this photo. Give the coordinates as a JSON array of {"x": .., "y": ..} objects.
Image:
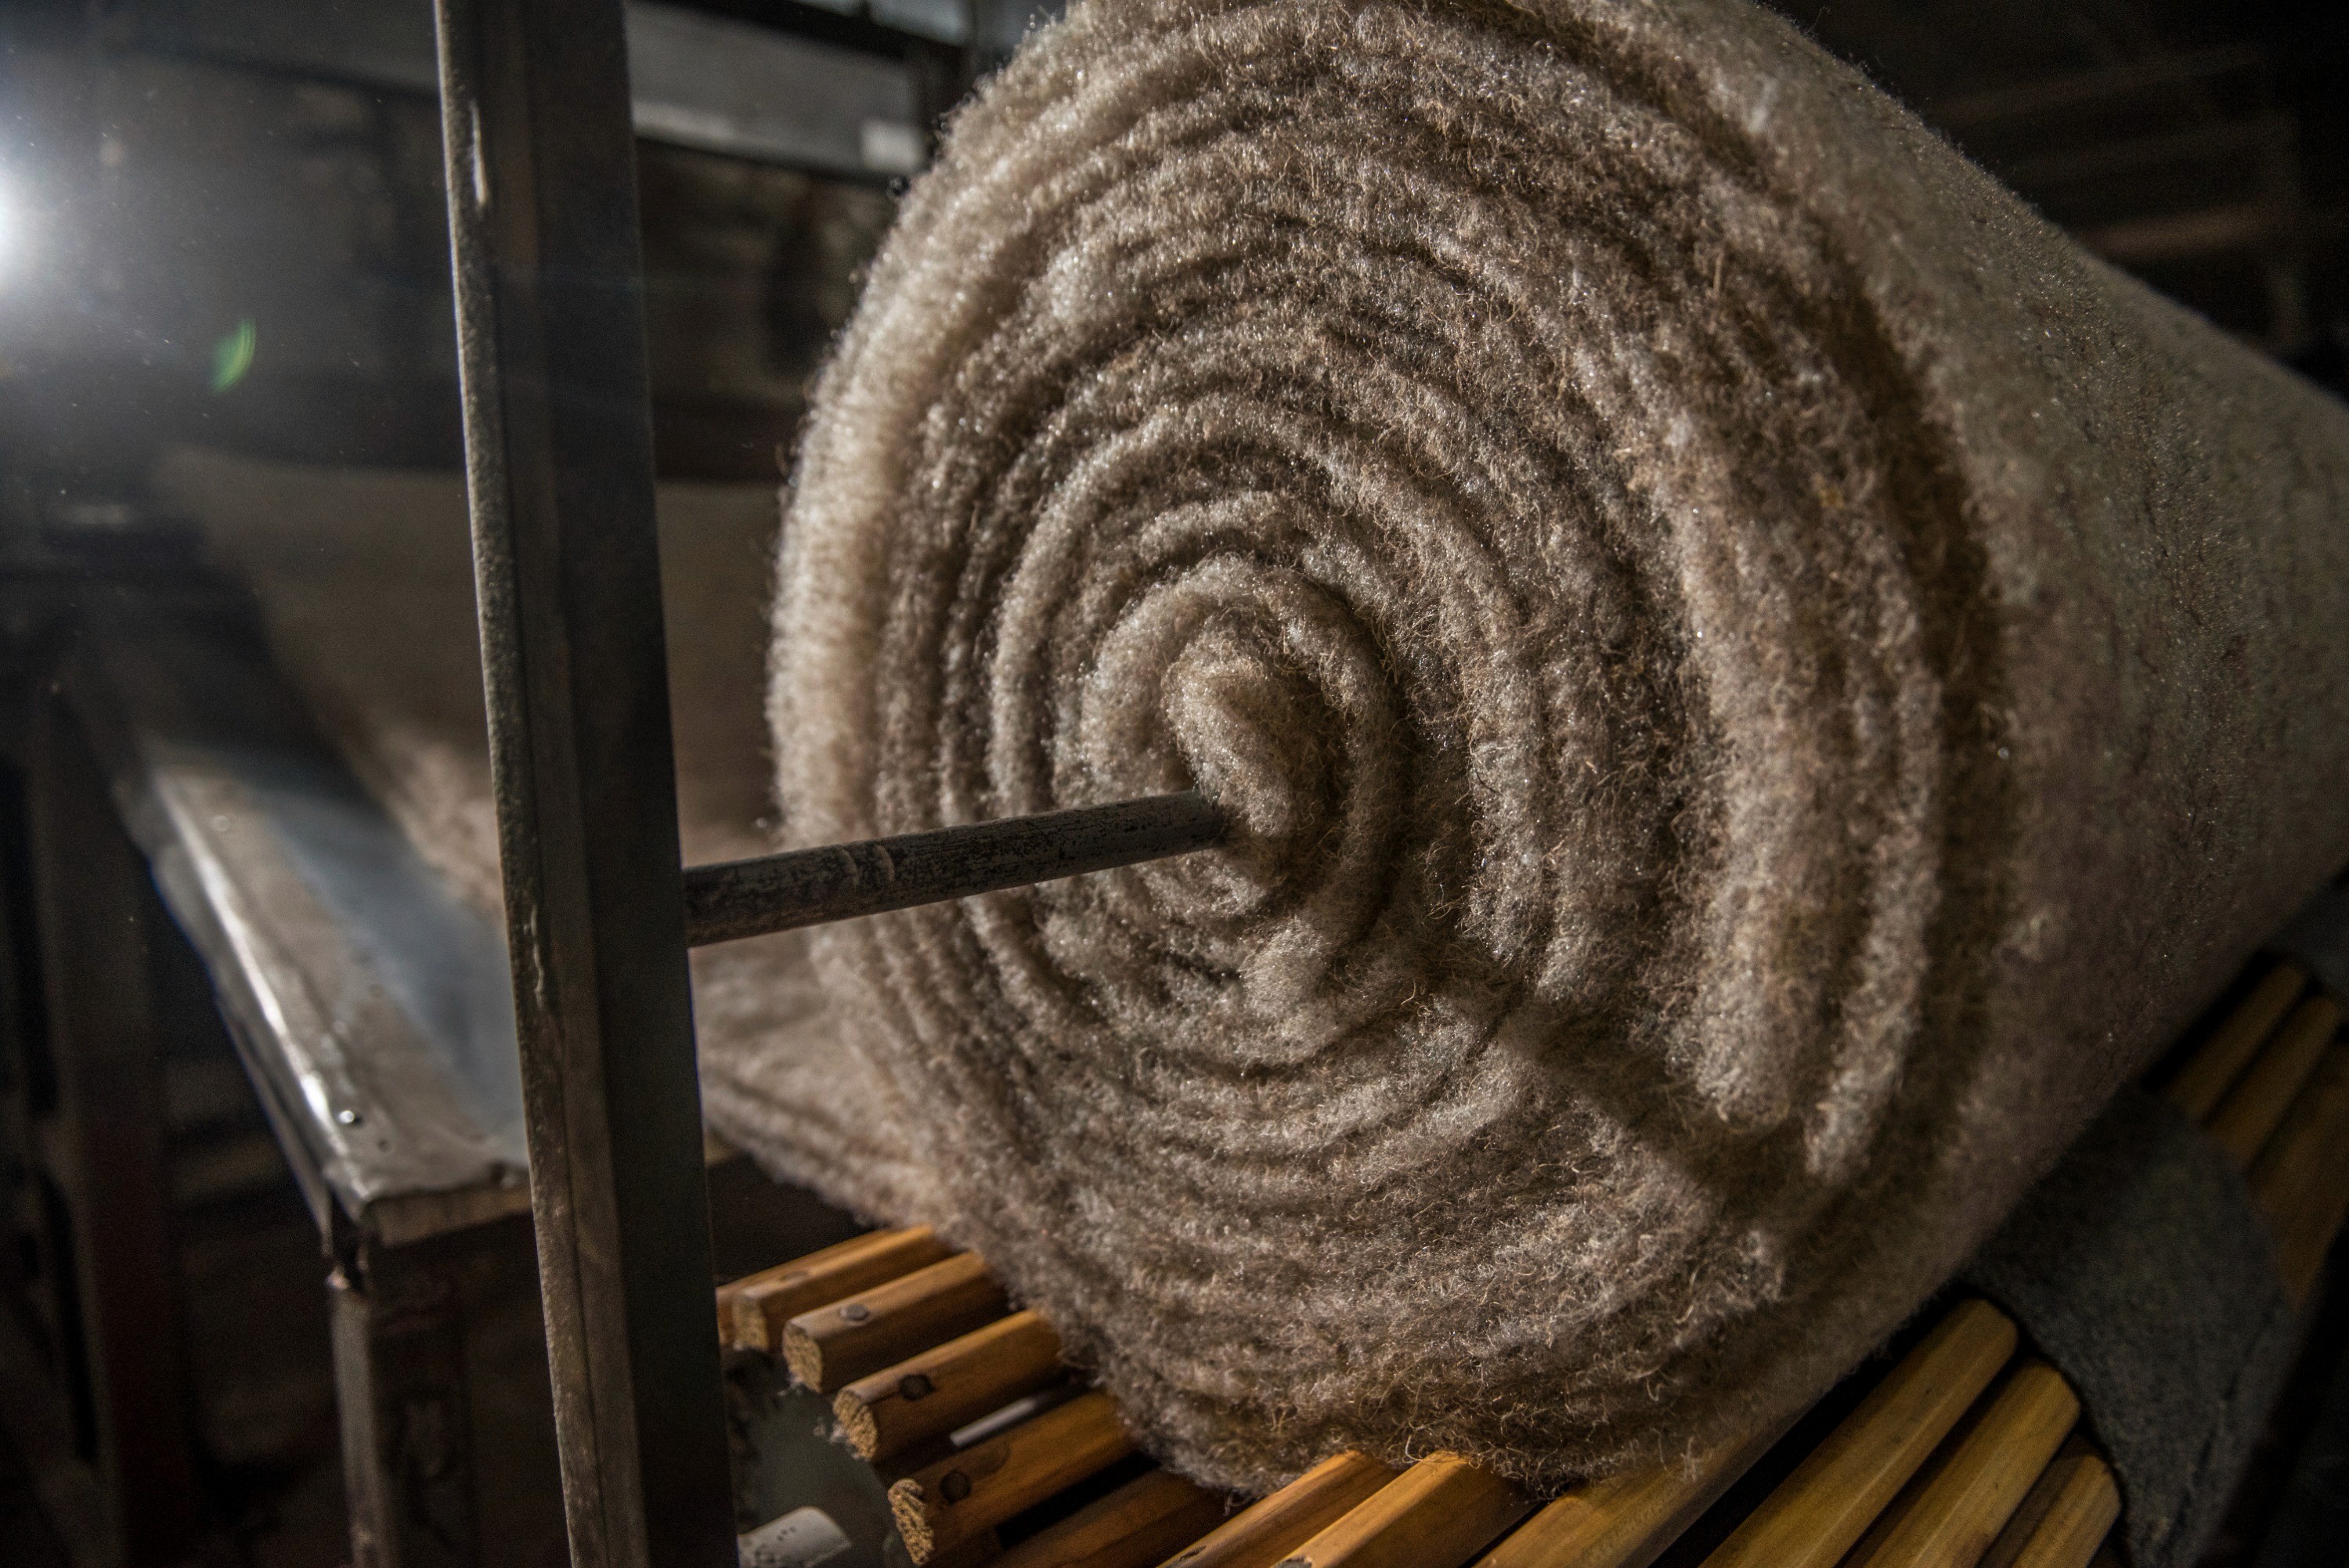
[{"x": 735, "y": 899}]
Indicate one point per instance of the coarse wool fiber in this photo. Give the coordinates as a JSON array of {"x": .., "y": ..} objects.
[{"x": 1756, "y": 682}]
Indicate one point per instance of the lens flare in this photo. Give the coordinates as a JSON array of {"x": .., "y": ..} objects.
[{"x": 232, "y": 355}]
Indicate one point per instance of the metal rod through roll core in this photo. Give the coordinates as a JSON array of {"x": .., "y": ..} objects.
[{"x": 735, "y": 899}]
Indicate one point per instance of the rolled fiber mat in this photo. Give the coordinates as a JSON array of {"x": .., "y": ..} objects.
[{"x": 1756, "y": 682}]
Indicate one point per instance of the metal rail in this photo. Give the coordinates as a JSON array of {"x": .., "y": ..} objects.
[
  {"x": 535, "y": 106},
  {"x": 559, "y": 469},
  {"x": 840, "y": 882}
]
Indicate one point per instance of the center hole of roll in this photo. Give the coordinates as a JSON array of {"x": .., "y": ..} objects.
[{"x": 1251, "y": 732}]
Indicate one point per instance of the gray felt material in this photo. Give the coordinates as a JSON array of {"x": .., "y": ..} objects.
[
  {"x": 2318, "y": 937},
  {"x": 2143, "y": 1269}
]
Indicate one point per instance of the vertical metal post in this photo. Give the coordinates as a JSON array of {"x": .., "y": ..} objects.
[{"x": 544, "y": 228}]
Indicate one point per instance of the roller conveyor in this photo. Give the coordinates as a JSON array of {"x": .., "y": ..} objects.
[{"x": 951, "y": 1409}]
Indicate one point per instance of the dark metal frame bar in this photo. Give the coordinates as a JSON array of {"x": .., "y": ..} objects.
[
  {"x": 558, "y": 442},
  {"x": 842, "y": 882},
  {"x": 549, "y": 285}
]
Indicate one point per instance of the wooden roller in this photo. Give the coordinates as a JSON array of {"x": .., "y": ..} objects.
[
  {"x": 1138, "y": 1526},
  {"x": 1836, "y": 1492},
  {"x": 1437, "y": 1514},
  {"x": 2065, "y": 1518},
  {"x": 1624, "y": 1520},
  {"x": 833, "y": 1346},
  {"x": 752, "y": 1312},
  {"x": 1961, "y": 1501},
  {"x": 2214, "y": 1066},
  {"x": 1962, "y": 1454},
  {"x": 950, "y": 1501},
  {"x": 1267, "y": 1533},
  {"x": 2255, "y": 1107},
  {"x": 2301, "y": 1177},
  {"x": 930, "y": 1394}
]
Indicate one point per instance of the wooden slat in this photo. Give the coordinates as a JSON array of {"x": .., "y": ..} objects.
[
  {"x": 2302, "y": 1178},
  {"x": 930, "y": 1394},
  {"x": 1437, "y": 1514},
  {"x": 1966, "y": 1498},
  {"x": 1134, "y": 1527},
  {"x": 833, "y": 1346},
  {"x": 1822, "y": 1510},
  {"x": 1353, "y": 1513},
  {"x": 2213, "y": 1068},
  {"x": 984, "y": 1547},
  {"x": 1625, "y": 1520},
  {"x": 950, "y": 1502},
  {"x": 753, "y": 1311},
  {"x": 2066, "y": 1517},
  {"x": 2304, "y": 1242},
  {"x": 2294, "y": 1158},
  {"x": 1266, "y": 1532},
  {"x": 2248, "y": 1115}
]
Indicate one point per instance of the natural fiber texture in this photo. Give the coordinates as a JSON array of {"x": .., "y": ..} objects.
[
  {"x": 1758, "y": 685},
  {"x": 1757, "y": 682}
]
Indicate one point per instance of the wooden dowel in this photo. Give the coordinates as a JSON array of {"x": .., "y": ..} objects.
[
  {"x": 1965, "y": 1499},
  {"x": 752, "y": 1310},
  {"x": 2066, "y": 1516},
  {"x": 833, "y": 1346},
  {"x": 931, "y": 1393},
  {"x": 946, "y": 1503},
  {"x": 1268, "y": 1530},
  {"x": 1818, "y": 1512},
  {"x": 2251, "y": 1110},
  {"x": 1136, "y": 1526},
  {"x": 1437, "y": 1514},
  {"x": 2294, "y": 1158},
  {"x": 2302, "y": 1247},
  {"x": 2213, "y": 1068},
  {"x": 984, "y": 1547},
  {"x": 2302, "y": 1178},
  {"x": 1625, "y": 1520}
]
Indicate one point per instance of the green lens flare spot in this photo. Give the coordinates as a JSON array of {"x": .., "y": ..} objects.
[{"x": 232, "y": 355}]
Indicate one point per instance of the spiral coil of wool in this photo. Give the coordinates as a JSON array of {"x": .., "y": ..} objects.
[
  {"x": 1757, "y": 684},
  {"x": 1734, "y": 649}
]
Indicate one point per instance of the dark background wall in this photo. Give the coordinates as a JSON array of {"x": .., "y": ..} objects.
[
  {"x": 251, "y": 254},
  {"x": 210, "y": 249},
  {"x": 2201, "y": 144}
]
